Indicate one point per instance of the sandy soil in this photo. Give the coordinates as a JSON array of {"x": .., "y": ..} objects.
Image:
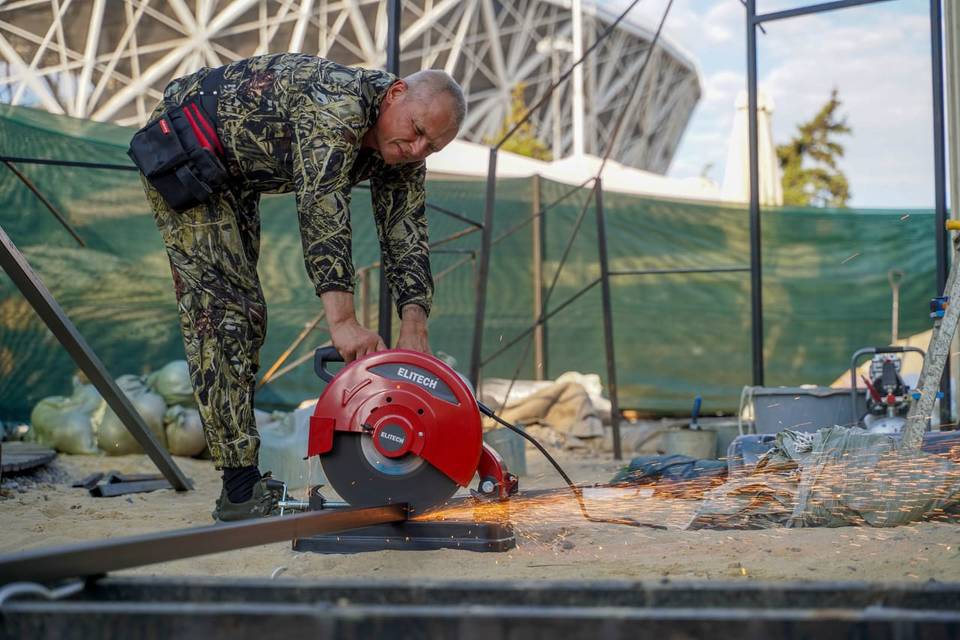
[{"x": 554, "y": 541}]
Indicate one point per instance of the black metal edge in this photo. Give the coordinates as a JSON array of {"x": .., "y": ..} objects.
[{"x": 620, "y": 593}]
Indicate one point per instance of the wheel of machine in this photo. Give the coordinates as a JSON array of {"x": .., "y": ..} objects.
[{"x": 362, "y": 476}]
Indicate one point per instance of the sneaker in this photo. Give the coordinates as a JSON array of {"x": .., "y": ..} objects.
[{"x": 262, "y": 503}]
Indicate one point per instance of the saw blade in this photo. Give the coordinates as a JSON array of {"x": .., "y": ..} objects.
[{"x": 363, "y": 477}]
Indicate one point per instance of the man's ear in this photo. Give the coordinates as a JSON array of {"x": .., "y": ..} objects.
[{"x": 396, "y": 91}]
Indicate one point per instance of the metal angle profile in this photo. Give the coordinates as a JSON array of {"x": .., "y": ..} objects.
[
  {"x": 102, "y": 556},
  {"x": 36, "y": 293}
]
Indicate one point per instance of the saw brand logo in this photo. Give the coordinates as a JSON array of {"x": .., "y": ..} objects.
[
  {"x": 419, "y": 378},
  {"x": 391, "y": 436}
]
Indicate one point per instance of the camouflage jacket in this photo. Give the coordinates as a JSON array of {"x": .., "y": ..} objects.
[{"x": 294, "y": 122}]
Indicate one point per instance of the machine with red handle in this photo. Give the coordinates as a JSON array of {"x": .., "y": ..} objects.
[{"x": 400, "y": 426}]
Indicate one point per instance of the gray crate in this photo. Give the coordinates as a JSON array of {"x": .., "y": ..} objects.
[{"x": 802, "y": 408}]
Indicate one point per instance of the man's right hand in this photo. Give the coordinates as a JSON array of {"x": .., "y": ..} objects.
[
  {"x": 354, "y": 341},
  {"x": 350, "y": 338}
]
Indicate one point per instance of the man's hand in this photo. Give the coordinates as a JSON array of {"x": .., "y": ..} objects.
[
  {"x": 413, "y": 329},
  {"x": 348, "y": 336}
]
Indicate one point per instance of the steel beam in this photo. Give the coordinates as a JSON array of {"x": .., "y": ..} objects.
[
  {"x": 102, "y": 556},
  {"x": 607, "y": 319},
  {"x": 483, "y": 271},
  {"x": 393, "y": 66},
  {"x": 940, "y": 180},
  {"x": 756, "y": 265},
  {"x": 810, "y": 10},
  {"x": 46, "y": 306}
]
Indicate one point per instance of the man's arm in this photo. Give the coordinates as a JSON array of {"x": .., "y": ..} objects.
[
  {"x": 322, "y": 156},
  {"x": 399, "y": 209}
]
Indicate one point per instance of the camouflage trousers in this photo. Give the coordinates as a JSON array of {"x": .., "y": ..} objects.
[{"x": 213, "y": 251}]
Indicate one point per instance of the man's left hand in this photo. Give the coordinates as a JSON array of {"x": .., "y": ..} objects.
[{"x": 413, "y": 329}]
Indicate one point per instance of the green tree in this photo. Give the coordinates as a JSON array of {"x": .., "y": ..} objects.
[
  {"x": 808, "y": 162},
  {"x": 524, "y": 140}
]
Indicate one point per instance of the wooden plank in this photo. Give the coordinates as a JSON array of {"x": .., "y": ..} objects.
[{"x": 21, "y": 456}]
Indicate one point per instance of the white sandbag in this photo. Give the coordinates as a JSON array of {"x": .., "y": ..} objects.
[
  {"x": 64, "y": 424},
  {"x": 184, "y": 431},
  {"x": 283, "y": 444},
  {"x": 112, "y": 435},
  {"x": 172, "y": 382}
]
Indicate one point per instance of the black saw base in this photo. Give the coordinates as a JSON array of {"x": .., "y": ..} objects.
[{"x": 414, "y": 535}]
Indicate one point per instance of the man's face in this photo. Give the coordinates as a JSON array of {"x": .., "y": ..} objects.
[{"x": 409, "y": 129}]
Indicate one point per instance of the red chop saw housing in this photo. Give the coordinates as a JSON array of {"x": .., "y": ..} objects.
[{"x": 409, "y": 402}]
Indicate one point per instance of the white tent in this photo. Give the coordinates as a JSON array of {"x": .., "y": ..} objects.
[{"x": 736, "y": 180}]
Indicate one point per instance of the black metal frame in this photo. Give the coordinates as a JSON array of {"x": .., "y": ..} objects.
[
  {"x": 477, "y": 361},
  {"x": 755, "y": 21}
]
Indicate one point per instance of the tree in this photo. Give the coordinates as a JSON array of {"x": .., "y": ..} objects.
[
  {"x": 524, "y": 140},
  {"x": 809, "y": 161}
]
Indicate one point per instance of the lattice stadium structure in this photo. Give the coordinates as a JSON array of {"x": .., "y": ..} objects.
[{"x": 109, "y": 60}]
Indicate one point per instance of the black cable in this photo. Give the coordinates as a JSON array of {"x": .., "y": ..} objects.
[
  {"x": 69, "y": 163},
  {"x": 577, "y": 491}
]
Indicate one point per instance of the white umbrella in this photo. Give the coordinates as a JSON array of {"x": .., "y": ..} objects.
[{"x": 736, "y": 179}]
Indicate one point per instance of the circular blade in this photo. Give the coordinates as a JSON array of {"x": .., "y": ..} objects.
[{"x": 363, "y": 477}]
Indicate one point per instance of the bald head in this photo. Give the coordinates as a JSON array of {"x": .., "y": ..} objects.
[{"x": 426, "y": 85}]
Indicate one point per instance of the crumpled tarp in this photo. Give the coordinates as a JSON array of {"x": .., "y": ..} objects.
[
  {"x": 565, "y": 408},
  {"x": 835, "y": 477}
]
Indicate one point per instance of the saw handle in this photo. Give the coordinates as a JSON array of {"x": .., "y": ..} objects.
[{"x": 321, "y": 357}]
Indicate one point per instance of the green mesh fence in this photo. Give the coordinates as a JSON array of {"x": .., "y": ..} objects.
[{"x": 825, "y": 281}]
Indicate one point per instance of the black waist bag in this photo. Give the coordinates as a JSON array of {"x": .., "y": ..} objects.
[{"x": 178, "y": 154}]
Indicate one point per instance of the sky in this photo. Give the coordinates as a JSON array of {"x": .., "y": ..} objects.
[{"x": 876, "y": 56}]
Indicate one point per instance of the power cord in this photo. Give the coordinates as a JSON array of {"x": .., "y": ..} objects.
[{"x": 577, "y": 491}]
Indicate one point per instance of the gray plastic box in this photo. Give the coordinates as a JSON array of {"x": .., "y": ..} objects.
[{"x": 803, "y": 408}]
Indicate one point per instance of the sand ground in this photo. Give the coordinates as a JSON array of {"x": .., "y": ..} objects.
[{"x": 554, "y": 541}]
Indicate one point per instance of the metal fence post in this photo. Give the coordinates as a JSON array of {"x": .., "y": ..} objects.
[
  {"x": 756, "y": 280},
  {"x": 607, "y": 320},
  {"x": 483, "y": 271},
  {"x": 536, "y": 233},
  {"x": 393, "y": 66}
]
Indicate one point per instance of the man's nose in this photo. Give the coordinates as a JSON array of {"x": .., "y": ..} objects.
[{"x": 420, "y": 148}]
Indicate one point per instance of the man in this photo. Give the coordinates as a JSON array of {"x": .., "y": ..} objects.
[{"x": 293, "y": 122}]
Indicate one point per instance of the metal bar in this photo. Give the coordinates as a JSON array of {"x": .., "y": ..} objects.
[
  {"x": 102, "y": 556},
  {"x": 608, "y": 321},
  {"x": 454, "y": 236},
  {"x": 483, "y": 272},
  {"x": 712, "y": 594},
  {"x": 756, "y": 280},
  {"x": 939, "y": 179},
  {"x": 520, "y": 225},
  {"x": 453, "y": 214},
  {"x": 365, "y": 314},
  {"x": 566, "y": 74},
  {"x": 46, "y": 306},
  {"x": 69, "y": 163},
  {"x": 541, "y": 320},
  {"x": 49, "y": 205},
  {"x": 808, "y": 10},
  {"x": 536, "y": 239},
  {"x": 307, "y": 330},
  {"x": 394, "y": 16},
  {"x": 647, "y": 272}
]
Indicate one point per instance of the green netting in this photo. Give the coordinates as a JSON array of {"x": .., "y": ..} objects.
[{"x": 825, "y": 286}]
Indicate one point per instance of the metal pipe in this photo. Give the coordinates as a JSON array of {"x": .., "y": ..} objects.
[
  {"x": 810, "y": 9},
  {"x": 49, "y": 205},
  {"x": 536, "y": 238},
  {"x": 756, "y": 281},
  {"x": 103, "y": 556},
  {"x": 608, "y": 321},
  {"x": 393, "y": 66},
  {"x": 46, "y": 306},
  {"x": 648, "y": 272},
  {"x": 939, "y": 179},
  {"x": 480, "y": 304}
]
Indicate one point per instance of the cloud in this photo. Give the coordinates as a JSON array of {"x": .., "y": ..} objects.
[{"x": 878, "y": 59}]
